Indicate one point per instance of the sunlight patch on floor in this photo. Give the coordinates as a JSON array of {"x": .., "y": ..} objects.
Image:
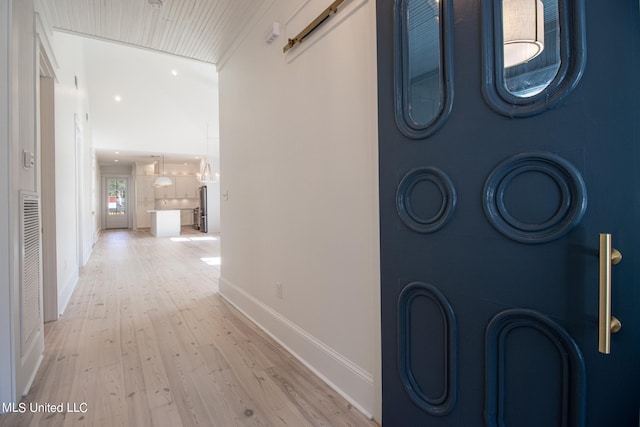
[
  {"x": 193, "y": 239},
  {"x": 212, "y": 260}
]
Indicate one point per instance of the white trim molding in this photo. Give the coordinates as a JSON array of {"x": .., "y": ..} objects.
[
  {"x": 7, "y": 361},
  {"x": 352, "y": 382},
  {"x": 64, "y": 294}
]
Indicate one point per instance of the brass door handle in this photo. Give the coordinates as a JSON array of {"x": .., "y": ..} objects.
[{"x": 607, "y": 324}]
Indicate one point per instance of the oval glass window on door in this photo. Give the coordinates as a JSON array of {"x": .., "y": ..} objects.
[
  {"x": 534, "y": 53},
  {"x": 423, "y": 76},
  {"x": 531, "y": 39}
]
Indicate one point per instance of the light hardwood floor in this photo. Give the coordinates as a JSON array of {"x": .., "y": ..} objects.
[{"x": 146, "y": 341}]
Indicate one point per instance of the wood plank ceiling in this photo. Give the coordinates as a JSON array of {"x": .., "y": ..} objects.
[{"x": 198, "y": 29}]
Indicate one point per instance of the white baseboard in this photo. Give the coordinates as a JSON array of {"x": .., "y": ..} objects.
[
  {"x": 33, "y": 375},
  {"x": 87, "y": 255},
  {"x": 64, "y": 294},
  {"x": 345, "y": 377}
]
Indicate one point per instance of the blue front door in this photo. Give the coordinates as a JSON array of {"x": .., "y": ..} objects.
[{"x": 509, "y": 140}]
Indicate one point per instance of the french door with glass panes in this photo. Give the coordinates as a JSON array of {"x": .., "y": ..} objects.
[{"x": 116, "y": 193}]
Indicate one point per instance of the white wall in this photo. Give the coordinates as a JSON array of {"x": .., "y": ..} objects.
[
  {"x": 90, "y": 193},
  {"x": 299, "y": 165},
  {"x": 75, "y": 233},
  {"x": 96, "y": 198},
  {"x": 213, "y": 192}
]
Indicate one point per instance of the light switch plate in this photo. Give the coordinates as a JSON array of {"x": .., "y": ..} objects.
[{"x": 28, "y": 159}]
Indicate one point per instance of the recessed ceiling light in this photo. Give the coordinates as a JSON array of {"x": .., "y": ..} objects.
[
  {"x": 115, "y": 160},
  {"x": 118, "y": 98},
  {"x": 174, "y": 72},
  {"x": 117, "y": 152}
]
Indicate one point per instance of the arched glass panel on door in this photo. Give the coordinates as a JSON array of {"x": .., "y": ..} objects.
[
  {"x": 531, "y": 35},
  {"x": 423, "y": 73},
  {"x": 534, "y": 53}
]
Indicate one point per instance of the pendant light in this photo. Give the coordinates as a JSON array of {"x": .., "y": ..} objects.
[
  {"x": 162, "y": 181},
  {"x": 205, "y": 172},
  {"x": 523, "y": 30}
]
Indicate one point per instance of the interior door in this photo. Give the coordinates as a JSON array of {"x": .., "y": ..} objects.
[
  {"x": 116, "y": 213},
  {"x": 497, "y": 294}
]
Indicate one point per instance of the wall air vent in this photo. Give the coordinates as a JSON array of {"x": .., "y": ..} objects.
[{"x": 30, "y": 267}]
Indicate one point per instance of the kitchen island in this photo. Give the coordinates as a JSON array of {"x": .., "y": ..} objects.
[{"x": 165, "y": 223}]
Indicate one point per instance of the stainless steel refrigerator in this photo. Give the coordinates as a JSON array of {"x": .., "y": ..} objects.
[{"x": 200, "y": 213}]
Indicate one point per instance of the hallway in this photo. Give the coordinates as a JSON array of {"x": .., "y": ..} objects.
[{"x": 146, "y": 341}]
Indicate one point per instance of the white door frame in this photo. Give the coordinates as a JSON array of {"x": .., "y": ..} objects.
[
  {"x": 7, "y": 362},
  {"x": 79, "y": 199},
  {"x": 48, "y": 199}
]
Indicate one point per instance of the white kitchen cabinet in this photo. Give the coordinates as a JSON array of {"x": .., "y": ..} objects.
[
  {"x": 166, "y": 192},
  {"x": 186, "y": 187},
  {"x": 144, "y": 188},
  {"x": 186, "y": 217},
  {"x": 165, "y": 223},
  {"x": 143, "y": 218}
]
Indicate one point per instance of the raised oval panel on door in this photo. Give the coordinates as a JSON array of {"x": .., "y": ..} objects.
[{"x": 502, "y": 304}]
